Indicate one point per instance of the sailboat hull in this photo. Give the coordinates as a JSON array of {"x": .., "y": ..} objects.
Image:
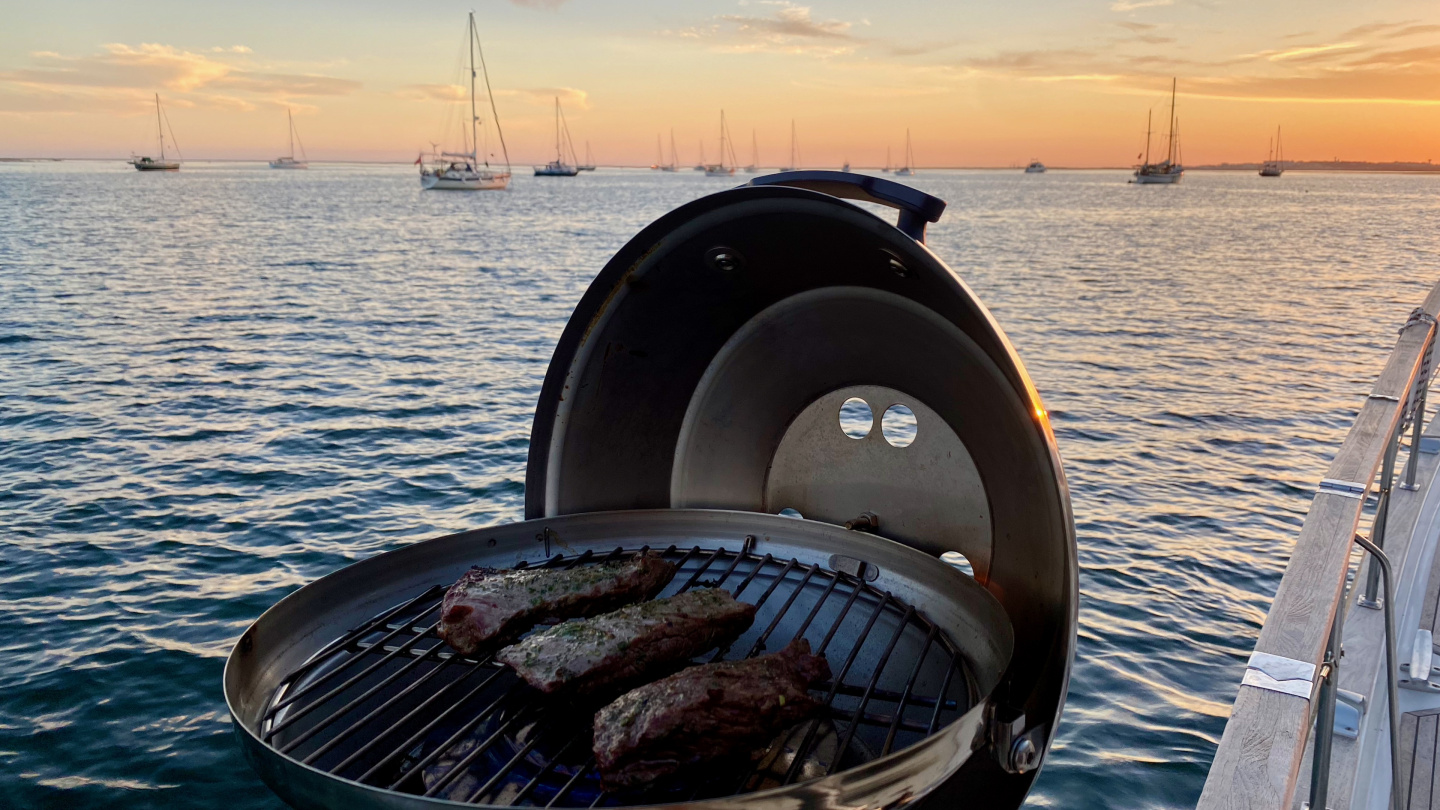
[
  {"x": 285, "y": 163},
  {"x": 1169, "y": 179},
  {"x": 157, "y": 166},
  {"x": 492, "y": 182},
  {"x": 1271, "y": 171},
  {"x": 553, "y": 171},
  {"x": 719, "y": 172}
]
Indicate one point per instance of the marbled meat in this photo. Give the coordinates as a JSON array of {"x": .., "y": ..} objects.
[
  {"x": 622, "y": 648},
  {"x": 489, "y": 605},
  {"x": 704, "y": 712}
]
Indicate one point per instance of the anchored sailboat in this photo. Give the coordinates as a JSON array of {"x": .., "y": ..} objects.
[
  {"x": 674, "y": 156},
  {"x": 162, "y": 164},
  {"x": 558, "y": 167},
  {"x": 1275, "y": 158},
  {"x": 908, "y": 170},
  {"x": 459, "y": 171},
  {"x": 794, "y": 164},
  {"x": 700, "y": 167},
  {"x": 1168, "y": 171},
  {"x": 589, "y": 164},
  {"x": 289, "y": 161},
  {"x": 727, "y": 149},
  {"x": 754, "y": 155}
]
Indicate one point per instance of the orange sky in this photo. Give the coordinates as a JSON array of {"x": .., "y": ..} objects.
[{"x": 986, "y": 83}]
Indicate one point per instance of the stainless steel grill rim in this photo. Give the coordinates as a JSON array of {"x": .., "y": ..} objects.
[{"x": 394, "y": 639}]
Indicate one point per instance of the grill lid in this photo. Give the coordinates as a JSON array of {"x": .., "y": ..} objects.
[{"x": 707, "y": 364}]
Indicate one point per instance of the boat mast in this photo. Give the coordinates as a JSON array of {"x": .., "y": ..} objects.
[
  {"x": 754, "y": 150},
  {"x": 794, "y": 152},
  {"x": 674, "y": 155},
  {"x": 909, "y": 151},
  {"x": 475, "y": 39},
  {"x": 1149, "y": 116},
  {"x": 1170, "y": 150},
  {"x": 474, "y": 141},
  {"x": 291, "y": 118},
  {"x": 557, "y": 130},
  {"x": 722, "y": 139},
  {"x": 159, "y": 130},
  {"x": 1279, "y": 150}
]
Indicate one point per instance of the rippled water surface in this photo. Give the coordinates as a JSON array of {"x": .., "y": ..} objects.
[{"x": 218, "y": 385}]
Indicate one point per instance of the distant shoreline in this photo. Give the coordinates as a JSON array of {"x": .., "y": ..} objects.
[{"x": 1390, "y": 167}]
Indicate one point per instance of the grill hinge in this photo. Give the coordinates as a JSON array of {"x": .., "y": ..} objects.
[{"x": 1016, "y": 748}]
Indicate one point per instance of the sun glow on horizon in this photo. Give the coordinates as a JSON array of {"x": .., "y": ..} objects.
[{"x": 988, "y": 84}]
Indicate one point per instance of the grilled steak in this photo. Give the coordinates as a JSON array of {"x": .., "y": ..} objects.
[
  {"x": 701, "y": 713},
  {"x": 491, "y": 605},
  {"x": 622, "y": 647}
]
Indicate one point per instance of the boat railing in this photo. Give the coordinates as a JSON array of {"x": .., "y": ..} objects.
[{"x": 1289, "y": 686}]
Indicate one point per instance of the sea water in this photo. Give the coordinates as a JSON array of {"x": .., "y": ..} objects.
[{"x": 220, "y": 384}]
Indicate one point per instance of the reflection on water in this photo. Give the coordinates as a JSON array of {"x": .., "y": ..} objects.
[{"x": 220, "y": 384}]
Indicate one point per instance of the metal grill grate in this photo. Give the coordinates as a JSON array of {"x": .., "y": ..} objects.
[{"x": 390, "y": 705}]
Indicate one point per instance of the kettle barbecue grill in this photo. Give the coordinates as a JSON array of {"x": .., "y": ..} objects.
[{"x": 695, "y": 395}]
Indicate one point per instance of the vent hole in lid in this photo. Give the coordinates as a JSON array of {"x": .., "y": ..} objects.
[
  {"x": 898, "y": 426},
  {"x": 790, "y": 513},
  {"x": 856, "y": 418},
  {"x": 959, "y": 561}
]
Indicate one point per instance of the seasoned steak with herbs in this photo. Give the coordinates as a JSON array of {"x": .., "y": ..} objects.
[
  {"x": 623, "y": 647},
  {"x": 491, "y": 605},
  {"x": 705, "y": 712}
]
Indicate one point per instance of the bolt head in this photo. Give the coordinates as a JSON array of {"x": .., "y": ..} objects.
[{"x": 1024, "y": 755}]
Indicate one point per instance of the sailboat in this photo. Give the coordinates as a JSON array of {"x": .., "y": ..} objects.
[
  {"x": 727, "y": 149},
  {"x": 887, "y": 160},
  {"x": 589, "y": 164},
  {"x": 700, "y": 167},
  {"x": 459, "y": 171},
  {"x": 289, "y": 161},
  {"x": 1035, "y": 167},
  {"x": 558, "y": 167},
  {"x": 908, "y": 170},
  {"x": 659, "y": 153},
  {"x": 162, "y": 164},
  {"x": 754, "y": 155},
  {"x": 845, "y": 166},
  {"x": 1168, "y": 171},
  {"x": 674, "y": 156},
  {"x": 1275, "y": 161},
  {"x": 794, "y": 164}
]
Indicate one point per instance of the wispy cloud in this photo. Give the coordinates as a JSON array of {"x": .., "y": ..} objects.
[
  {"x": 127, "y": 74},
  {"x": 1132, "y": 5},
  {"x": 789, "y": 28}
]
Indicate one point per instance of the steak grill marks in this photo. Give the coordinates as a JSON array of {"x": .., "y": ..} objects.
[{"x": 389, "y": 700}]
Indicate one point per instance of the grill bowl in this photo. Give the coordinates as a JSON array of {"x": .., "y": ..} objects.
[{"x": 964, "y": 614}]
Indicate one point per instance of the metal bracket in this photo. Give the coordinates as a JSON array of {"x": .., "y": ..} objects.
[
  {"x": 1276, "y": 673},
  {"x": 1349, "y": 708},
  {"x": 1430, "y": 445},
  {"x": 1017, "y": 748},
  {"x": 1419, "y": 672},
  {"x": 1350, "y": 489}
]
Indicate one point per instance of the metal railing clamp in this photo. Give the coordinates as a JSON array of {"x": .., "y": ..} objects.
[{"x": 1350, "y": 489}]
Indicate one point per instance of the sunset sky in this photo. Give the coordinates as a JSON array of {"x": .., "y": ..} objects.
[{"x": 981, "y": 83}]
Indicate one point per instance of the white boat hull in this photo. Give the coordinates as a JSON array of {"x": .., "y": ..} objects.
[
  {"x": 1167, "y": 179},
  {"x": 284, "y": 163},
  {"x": 719, "y": 172},
  {"x": 904, "y": 172},
  {"x": 155, "y": 165},
  {"x": 483, "y": 182}
]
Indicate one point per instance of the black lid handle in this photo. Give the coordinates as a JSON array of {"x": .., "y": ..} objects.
[{"x": 915, "y": 206}]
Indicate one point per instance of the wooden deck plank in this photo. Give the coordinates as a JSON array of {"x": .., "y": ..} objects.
[
  {"x": 1409, "y": 729},
  {"x": 1422, "y": 758}
]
